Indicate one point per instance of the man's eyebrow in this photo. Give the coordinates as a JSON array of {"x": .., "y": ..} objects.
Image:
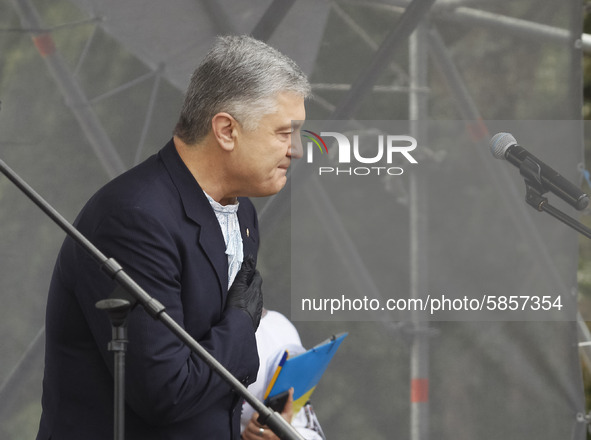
[{"x": 290, "y": 127}]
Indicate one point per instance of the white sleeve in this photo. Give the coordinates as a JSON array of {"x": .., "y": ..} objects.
[
  {"x": 274, "y": 335},
  {"x": 306, "y": 423}
]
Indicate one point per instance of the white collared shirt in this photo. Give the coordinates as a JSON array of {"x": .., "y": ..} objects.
[{"x": 228, "y": 219}]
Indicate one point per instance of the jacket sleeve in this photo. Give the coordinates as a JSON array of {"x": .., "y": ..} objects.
[{"x": 165, "y": 382}]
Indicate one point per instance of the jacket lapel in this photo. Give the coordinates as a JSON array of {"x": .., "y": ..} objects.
[
  {"x": 198, "y": 209},
  {"x": 248, "y": 228}
]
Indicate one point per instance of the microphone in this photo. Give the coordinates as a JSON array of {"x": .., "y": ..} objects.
[{"x": 504, "y": 146}]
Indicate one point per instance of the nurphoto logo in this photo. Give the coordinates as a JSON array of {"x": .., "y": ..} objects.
[{"x": 380, "y": 156}]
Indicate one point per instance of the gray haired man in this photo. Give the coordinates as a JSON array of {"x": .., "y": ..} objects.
[{"x": 180, "y": 225}]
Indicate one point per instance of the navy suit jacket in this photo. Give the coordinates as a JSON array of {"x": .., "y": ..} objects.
[{"x": 157, "y": 223}]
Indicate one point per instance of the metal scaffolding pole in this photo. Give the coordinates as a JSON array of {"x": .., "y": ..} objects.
[
  {"x": 503, "y": 24},
  {"x": 419, "y": 219},
  {"x": 517, "y": 27}
]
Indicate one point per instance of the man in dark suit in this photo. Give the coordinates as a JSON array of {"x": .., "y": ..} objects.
[{"x": 180, "y": 225}]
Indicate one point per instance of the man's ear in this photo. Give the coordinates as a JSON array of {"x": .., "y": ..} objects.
[{"x": 224, "y": 129}]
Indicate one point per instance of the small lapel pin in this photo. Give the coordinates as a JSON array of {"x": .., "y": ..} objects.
[{"x": 247, "y": 232}]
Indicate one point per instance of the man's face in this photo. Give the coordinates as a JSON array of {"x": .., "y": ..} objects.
[{"x": 264, "y": 154}]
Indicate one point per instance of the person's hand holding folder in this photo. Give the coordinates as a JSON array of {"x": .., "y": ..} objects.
[{"x": 255, "y": 431}]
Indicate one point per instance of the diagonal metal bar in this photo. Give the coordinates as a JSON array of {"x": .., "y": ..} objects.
[
  {"x": 125, "y": 86},
  {"x": 85, "y": 51},
  {"x": 407, "y": 23},
  {"x": 272, "y": 17},
  {"x": 455, "y": 83},
  {"x": 71, "y": 90},
  {"x": 366, "y": 38}
]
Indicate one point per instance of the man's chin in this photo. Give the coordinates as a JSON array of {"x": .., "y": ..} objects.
[
  {"x": 270, "y": 189},
  {"x": 277, "y": 186}
]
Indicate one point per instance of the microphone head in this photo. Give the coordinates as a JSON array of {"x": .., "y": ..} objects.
[{"x": 499, "y": 144}]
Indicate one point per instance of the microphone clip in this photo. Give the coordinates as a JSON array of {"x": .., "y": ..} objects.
[
  {"x": 532, "y": 175},
  {"x": 534, "y": 196}
]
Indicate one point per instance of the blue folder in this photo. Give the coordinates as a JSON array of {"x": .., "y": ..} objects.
[{"x": 302, "y": 372}]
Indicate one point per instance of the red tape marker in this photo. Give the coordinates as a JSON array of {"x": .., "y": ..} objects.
[
  {"x": 419, "y": 390},
  {"x": 44, "y": 44},
  {"x": 478, "y": 130}
]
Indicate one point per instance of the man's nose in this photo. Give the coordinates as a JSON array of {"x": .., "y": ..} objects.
[{"x": 295, "y": 151}]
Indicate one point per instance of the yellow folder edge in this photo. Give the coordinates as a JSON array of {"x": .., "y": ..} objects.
[{"x": 299, "y": 404}]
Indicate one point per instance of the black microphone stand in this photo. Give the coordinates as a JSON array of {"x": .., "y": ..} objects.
[
  {"x": 534, "y": 196},
  {"x": 118, "y": 309}
]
